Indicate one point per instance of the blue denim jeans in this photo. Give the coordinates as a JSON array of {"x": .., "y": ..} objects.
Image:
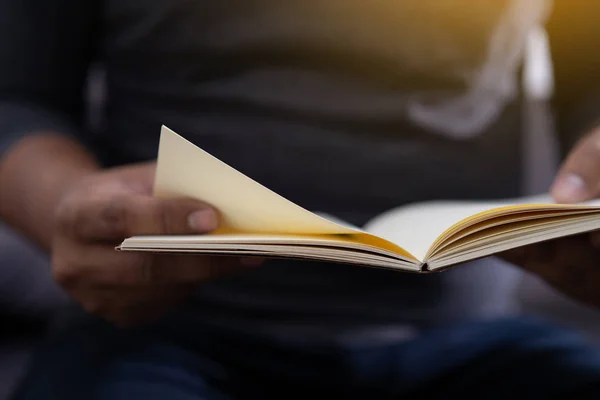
[{"x": 181, "y": 361}]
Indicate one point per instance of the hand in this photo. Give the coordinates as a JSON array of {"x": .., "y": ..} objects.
[
  {"x": 128, "y": 288},
  {"x": 571, "y": 265}
]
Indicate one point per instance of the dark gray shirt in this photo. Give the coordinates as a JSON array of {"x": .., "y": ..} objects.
[{"x": 335, "y": 104}]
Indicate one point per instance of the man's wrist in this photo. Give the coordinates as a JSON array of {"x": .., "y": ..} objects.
[{"x": 34, "y": 174}]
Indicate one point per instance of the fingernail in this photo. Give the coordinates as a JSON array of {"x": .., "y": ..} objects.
[
  {"x": 203, "y": 221},
  {"x": 570, "y": 188}
]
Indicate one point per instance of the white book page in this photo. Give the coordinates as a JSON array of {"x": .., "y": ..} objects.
[
  {"x": 184, "y": 170},
  {"x": 415, "y": 227}
]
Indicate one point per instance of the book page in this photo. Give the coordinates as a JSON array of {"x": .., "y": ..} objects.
[
  {"x": 246, "y": 207},
  {"x": 417, "y": 226},
  {"x": 184, "y": 170},
  {"x": 518, "y": 236}
]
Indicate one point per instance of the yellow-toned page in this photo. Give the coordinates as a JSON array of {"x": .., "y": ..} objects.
[
  {"x": 421, "y": 227},
  {"x": 245, "y": 206}
]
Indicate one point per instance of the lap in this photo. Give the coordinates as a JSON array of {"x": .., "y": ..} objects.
[
  {"x": 186, "y": 361},
  {"x": 94, "y": 360}
]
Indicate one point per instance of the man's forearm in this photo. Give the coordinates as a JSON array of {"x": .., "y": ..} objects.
[{"x": 34, "y": 174}]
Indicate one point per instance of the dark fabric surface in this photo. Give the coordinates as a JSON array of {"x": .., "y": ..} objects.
[
  {"x": 195, "y": 64},
  {"x": 179, "y": 360},
  {"x": 15, "y": 353},
  {"x": 27, "y": 289},
  {"x": 29, "y": 299}
]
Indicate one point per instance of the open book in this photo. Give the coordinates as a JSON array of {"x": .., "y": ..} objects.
[{"x": 421, "y": 237}]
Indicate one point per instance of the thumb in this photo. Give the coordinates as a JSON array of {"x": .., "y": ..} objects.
[
  {"x": 125, "y": 216},
  {"x": 579, "y": 178}
]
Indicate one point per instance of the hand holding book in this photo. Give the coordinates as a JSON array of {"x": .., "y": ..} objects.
[
  {"x": 129, "y": 288},
  {"x": 422, "y": 237},
  {"x": 572, "y": 264}
]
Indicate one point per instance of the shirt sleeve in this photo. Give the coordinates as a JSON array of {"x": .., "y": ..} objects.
[
  {"x": 574, "y": 35},
  {"x": 46, "y": 47}
]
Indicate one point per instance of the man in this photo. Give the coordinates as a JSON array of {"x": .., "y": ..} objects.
[{"x": 329, "y": 103}]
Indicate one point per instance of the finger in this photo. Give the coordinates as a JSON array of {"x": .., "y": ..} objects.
[
  {"x": 165, "y": 269},
  {"x": 575, "y": 270},
  {"x": 141, "y": 174},
  {"x": 568, "y": 264},
  {"x": 133, "y": 306},
  {"x": 579, "y": 177},
  {"x": 538, "y": 253},
  {"x": 252, "y": 261},
  {"x": 118, "y": 217},
  {"x": 102, "y": 266}
]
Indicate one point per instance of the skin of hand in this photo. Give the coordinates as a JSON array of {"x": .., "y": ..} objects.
[
  {"x": 128, "y": 288},
  {"x": 572, "y": 264}
]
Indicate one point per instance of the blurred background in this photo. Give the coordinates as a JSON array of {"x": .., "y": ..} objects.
[{"x": 29, "y": 298}]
